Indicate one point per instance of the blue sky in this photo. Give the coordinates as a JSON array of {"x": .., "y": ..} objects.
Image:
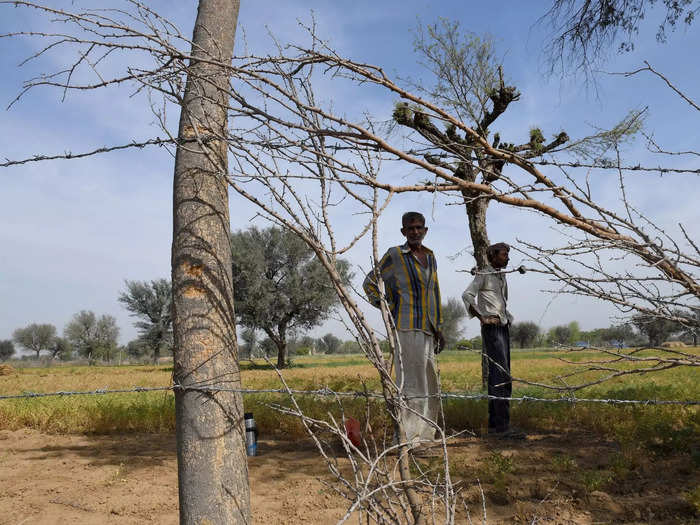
[{"x": 72, "y": 231}]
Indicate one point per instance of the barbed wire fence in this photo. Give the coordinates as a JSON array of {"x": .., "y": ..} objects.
[{"x": 327, "y": 392}]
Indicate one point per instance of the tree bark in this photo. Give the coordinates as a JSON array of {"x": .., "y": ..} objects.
[
  {"x": 476, "y": 215},
  {"x": 212, "y": 467}
]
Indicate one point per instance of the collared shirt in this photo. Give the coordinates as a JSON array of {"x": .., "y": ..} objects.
[
  {"x": 412, "y": 291},
  {"x": 488, "y": 295}
]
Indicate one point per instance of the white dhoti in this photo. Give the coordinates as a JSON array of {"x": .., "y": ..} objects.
[{"x": 416, "y": 375}]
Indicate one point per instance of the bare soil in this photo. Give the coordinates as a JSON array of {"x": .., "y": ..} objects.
[{"x": 132, "y": 478}]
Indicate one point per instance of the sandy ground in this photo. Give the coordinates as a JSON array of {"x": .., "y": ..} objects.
[{"x": 132, "y": 478}]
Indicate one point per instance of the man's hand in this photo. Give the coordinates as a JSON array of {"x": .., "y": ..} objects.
[
  {"x": 440, "y": 342},
  {"x": 490, "y": 319}
]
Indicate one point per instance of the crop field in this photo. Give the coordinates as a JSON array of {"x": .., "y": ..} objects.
[
  {"x": 459, "y": 371},
  {"x": 632, "y": 463}
]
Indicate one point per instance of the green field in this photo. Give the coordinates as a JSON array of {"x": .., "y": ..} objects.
[{"x": 658, "y": 427}]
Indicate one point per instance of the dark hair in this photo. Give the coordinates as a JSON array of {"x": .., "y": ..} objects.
[
  {"x": 495, "y": 248},
  {"x": 412, "y": 216}
]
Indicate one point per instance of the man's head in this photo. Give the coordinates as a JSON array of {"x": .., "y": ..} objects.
[
  {"x": 413, "y": 228},
  {"x": 497, "y": 254}
]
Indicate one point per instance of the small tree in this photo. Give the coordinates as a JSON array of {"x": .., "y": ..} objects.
[
  {"x": 61, "y": 349},
  {"x": 136, "y": 348},
  {"x": 91, "y": 337},
  {"x": 35, "y": 337},
  {"x": 656, "y": 329},
  {"x": 525, "y": 333},
  {"x": 7, "y": 349},
  {"x": 452, "y": 315},
  {"x": 250, "y": 342},
  {"x": 150, "y": 303},
  {"x": 350, "y": 347},
  {"x": 309, "y": 342},
  {"x": 559, "y": 335},
  {"x": 329, "y": 344},
  {"x": 279, "y": 285}
]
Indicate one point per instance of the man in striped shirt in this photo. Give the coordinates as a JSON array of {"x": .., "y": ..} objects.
[{"x": 412, "y": 294}]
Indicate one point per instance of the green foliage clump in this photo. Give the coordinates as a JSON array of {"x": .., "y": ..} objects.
[{"x": 536, "y": 139}]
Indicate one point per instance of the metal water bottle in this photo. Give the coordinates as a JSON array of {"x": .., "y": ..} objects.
[{"x": 251, "y": 434}]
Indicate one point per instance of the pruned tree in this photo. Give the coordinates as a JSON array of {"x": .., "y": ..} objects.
[
  {"x": 279, "y": 284},
  {"x": 524, "y": 333},
  {"x": 92, "y": 337},
  {"x": 35, "y": 337},
  {"x": 151, "y": 303},
  {"x": 7, "y": 349},
  {"x": 453, "y": 314}
]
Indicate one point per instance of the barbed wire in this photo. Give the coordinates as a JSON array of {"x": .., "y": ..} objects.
[{"x": 327, "y": 392}]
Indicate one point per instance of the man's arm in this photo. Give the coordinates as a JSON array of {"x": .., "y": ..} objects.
[
  {"x": 469, "y": 298},
  {"x": 370, "y": 285}
]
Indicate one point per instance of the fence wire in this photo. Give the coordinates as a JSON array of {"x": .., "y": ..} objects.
[{"x": 327, "y": 392}]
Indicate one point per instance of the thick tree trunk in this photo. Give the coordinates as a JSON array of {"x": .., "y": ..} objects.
[
  {"x": 212, "y": 467},
  {"x": 476, "y": 213},
  {"x": 282, "y": 353}
]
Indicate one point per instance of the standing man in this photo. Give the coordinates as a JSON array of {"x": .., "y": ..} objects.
[
  {"x": 412, "y": 293},
  {"x": 486, "y": 300}
]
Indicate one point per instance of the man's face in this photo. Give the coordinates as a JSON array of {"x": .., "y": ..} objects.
[
  {"x": 500, "y": 259},
  {"x": 414, "y": 231}
]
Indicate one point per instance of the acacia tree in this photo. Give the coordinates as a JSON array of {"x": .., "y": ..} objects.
[
  {"x": 61, "y": 349},
  {"x": 583, "y": 30},
  {"x": 452, "y": 315},
  {"x": 524, "y": 333},
  {"x": 656, "y": 329},
  {"x": 92, "y": 337},
  {"x": 329, "y": 344},
  {"x": 279, "y": 285},
  {"x": 35, "y": 337},
  {"x": 7, "y": 349},
  {"x": 151, "y": 303}
]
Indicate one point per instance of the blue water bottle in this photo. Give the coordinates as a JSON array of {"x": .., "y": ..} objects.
[{"x": 251, "y": 434}]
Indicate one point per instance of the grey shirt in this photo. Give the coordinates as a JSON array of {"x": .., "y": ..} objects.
[{"x": 488, "y": 295}]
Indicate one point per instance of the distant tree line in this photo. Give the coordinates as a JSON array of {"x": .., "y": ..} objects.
[{"x": 95, "y": 338}]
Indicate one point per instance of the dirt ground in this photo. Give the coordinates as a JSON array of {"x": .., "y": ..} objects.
[{"x": 132, "y": 478}]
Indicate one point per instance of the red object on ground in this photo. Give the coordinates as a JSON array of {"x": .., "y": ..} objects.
[{"x": 352, "y": 429}]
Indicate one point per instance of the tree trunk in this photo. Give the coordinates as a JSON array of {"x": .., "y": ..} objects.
[
  {"x": 212, "y": 467},
  {"x": 282, "y": 356},
  {"x": 476, "y": 213}
]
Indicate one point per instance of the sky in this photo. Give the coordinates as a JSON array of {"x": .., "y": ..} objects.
[{"x": 72, "y": 231}]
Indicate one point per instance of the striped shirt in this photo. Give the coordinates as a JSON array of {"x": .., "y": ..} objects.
[{"x": 412, "y": 290}]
